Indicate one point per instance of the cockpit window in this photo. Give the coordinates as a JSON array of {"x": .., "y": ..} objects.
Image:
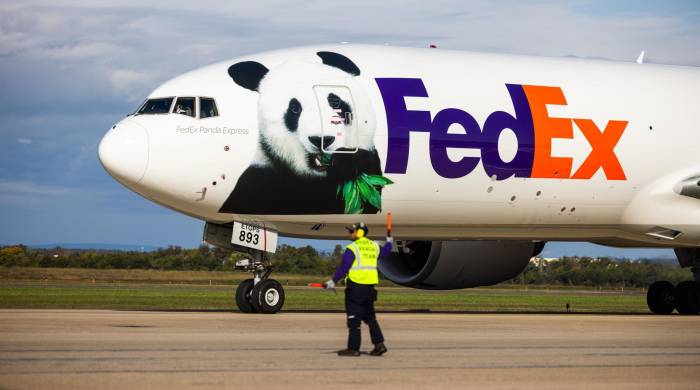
[
  {"x": 156, "y": 106},
  {"x": 185, "y": 106},
  {"x": 207, "y": 108}
]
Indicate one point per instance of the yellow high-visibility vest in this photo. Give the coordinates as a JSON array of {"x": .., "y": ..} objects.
[{"x": 364, "y": 268}]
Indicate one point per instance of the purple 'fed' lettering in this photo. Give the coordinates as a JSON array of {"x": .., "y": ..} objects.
[{"x": 401, "y": 121}]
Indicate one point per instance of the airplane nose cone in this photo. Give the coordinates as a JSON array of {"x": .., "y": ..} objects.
[{"x": 124, "y": 152}]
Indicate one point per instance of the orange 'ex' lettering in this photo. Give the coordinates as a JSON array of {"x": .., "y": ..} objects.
[{"x": 547, "y": 128}]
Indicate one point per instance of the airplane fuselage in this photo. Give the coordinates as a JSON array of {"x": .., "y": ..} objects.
[{"x": 474, "y": 146}]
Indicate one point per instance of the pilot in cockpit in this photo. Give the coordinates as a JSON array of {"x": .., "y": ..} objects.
[{"x": 180, "y": 109}]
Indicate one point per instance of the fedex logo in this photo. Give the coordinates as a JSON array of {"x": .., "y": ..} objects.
[{"x": 533, "y": 126}]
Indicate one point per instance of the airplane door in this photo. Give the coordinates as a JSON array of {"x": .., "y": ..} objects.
[{"x": 336, "y": 107}]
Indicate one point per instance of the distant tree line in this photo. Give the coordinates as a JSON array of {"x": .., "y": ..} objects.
[
  {"x": 288, "y": 259},
  {"x": 573, "y": 271},
  {"x": 602, "y": 272}
]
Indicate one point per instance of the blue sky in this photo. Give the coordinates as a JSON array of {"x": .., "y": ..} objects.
[{"x": 68, "y": 71}]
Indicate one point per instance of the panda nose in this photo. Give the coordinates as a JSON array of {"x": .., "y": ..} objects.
[{"x": 321, "y": 143}]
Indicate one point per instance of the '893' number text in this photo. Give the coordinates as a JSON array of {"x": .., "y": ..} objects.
[
  {"x": 249, "y": 237},
  {"x": 255, "y": 236}
]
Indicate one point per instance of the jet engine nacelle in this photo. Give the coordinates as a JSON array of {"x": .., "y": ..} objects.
[{"x": 449, "y": 265}]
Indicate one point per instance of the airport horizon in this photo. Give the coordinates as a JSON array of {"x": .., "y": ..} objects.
[{"x": 551, "y": 250}]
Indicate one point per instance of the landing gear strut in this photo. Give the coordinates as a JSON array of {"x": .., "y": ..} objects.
[{"x": 259, "y": 294}]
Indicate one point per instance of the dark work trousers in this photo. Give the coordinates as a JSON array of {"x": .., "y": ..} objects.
[{"x": 359, "y": 306}]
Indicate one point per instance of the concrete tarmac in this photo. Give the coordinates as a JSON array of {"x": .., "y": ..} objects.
[{"x": 69, "y": 349}]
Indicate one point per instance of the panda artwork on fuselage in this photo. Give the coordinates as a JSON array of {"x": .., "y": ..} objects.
[{"x": 298, "y": 167}]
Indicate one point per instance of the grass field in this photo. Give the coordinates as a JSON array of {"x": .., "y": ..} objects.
[{"x": 185, "y": 290}]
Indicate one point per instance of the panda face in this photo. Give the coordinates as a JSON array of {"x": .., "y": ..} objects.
[{"x": 289, "y": 119}]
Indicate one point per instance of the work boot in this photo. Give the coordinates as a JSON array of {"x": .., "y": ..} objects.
[
  {"x": 379, "y": 350},
  {"x": 348, "y": 352}
]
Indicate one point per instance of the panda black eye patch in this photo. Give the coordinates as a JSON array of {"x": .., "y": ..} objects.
[
  {"x": 337, "y": 103},
  {"x": 291, "y": 117}
]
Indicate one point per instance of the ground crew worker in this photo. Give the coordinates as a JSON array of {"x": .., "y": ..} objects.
[{"x": 359, "y": 263}]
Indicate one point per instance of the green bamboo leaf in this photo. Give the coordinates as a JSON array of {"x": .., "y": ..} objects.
[
  {"x": 347, "y": 189},
  {"x": 354, "y": 209},
  {"x": 370, "y": 194},
  {"x": 378, "y": 180},
  {"x": 375, "y": 198},
  {"x": 353, "y": 205},
  {"x": 364, "y": 189},
  {"x": 356, "y": 199},
  {"x": 337, "y": 191},
  {"x": 346, "y": 194}
]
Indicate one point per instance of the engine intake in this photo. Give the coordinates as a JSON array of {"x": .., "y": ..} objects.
[{"x": 449, "y": 265}]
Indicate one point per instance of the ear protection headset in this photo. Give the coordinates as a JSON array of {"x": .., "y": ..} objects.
[{"x": 360, "y": 229}]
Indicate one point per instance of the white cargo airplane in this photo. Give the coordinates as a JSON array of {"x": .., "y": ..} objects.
[{"x": 480, "y": 158}]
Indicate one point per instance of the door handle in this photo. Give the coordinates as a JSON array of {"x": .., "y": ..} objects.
[{"x": 348, "y": 118}]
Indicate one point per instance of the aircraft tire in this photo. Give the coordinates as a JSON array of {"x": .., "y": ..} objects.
[
  {"x": 661, "y": 297},
  {"x": 688, "y": 297},
  {"x": 268, "y": 296},
  {"x": 243, "y": 297}
]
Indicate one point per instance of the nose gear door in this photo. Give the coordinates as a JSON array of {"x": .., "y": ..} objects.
[{"x": 338, "y": 125}]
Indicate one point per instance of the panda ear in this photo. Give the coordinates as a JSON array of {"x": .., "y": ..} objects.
[
  {"x": 339, "y": 61},
  {"x": 248, "y": 74}
]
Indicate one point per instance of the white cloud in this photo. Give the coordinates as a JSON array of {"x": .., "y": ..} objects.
[
  {"x": 130, "y": 83},
  {"x": 60, "y": 28},
  {"x": 25, "y": 141},
  {"x": 30, "y": 188},
  {"x": 81, "y": 51},
  {"x": 112, "y": 53}
]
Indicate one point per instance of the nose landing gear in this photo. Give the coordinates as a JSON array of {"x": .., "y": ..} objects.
[{"x": 259, "y": 294}]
